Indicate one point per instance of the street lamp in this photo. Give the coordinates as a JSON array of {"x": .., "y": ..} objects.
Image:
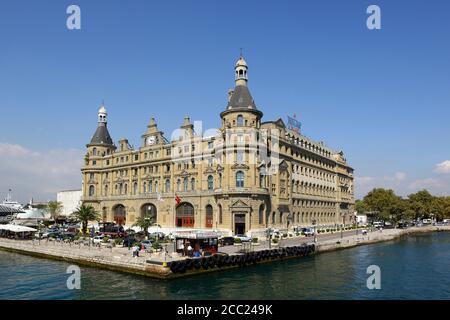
[{"x": 315, "y": 230}]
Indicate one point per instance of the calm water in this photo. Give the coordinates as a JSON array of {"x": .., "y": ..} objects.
[{"x": 416, "y": 267}]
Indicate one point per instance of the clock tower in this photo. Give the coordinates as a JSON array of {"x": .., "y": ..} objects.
[{"x": 152, "y": 136}]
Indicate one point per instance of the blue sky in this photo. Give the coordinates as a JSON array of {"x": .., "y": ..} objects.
[{"x": 380, "y": 95}]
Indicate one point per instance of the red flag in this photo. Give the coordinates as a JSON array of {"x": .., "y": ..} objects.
[{"x": 177, "y": 199}]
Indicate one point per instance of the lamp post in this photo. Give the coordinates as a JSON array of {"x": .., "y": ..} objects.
[
  {"x": 343, "y": 226},
  {"x": 315, "y": 230}
]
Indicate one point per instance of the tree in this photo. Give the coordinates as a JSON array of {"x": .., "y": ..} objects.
[
  {"x": 84, "y": 214},
  {"x": 422, "y": 203},
  {"x": 361, "y": 206},
  {"x": 144, "y": 222},
  {"x": 386, "y": 202},
  {"x": 54, "y": 208}
]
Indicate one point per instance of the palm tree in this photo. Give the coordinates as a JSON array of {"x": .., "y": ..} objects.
[
  {"x": 144, "y": 222},
  {"x": 84, "y": 214},
  {"x": 54, "y": 208}
]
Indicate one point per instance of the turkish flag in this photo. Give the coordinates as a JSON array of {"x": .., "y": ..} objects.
[{"x": 177, "y": 199}]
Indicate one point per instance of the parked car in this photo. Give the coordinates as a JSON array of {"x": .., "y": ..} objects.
[
  {"x": 243, "y": 238},
  {"x": 98, "y": 239},
  {"x": 157, "y": 235},
  {"x": 403, "y": 225},
  {"x": 51, "y": 234},
  {"x": 307, "y": 232},
  {"x": 226, "y": 241},
  {"x": 67, "y": 235}
]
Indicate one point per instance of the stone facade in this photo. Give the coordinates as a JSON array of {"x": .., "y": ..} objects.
[{"x": 247, "y": 177}]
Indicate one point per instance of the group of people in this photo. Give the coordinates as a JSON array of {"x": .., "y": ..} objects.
[{"x": 189, "y": 251}]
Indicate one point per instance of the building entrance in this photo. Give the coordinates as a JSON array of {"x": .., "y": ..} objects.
[{"x": 239, "y": 224}]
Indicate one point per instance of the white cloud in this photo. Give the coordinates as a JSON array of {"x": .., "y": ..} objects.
[
  {"x": 403, "y": 186},
  {"x": 443, "y": 167},
  {"x": 38, "y": 174},
  {"x": 364, "y": 184}
]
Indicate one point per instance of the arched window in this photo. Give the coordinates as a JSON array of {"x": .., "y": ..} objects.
[
  {"x": 240, "y": 121},
  {"x": 156, "y": 186},
  {"x": 209, "y": 216},
  {"x": 185, "y": 184},
  {"x": 94, "y": 151},
  {"x": 261, "y": 214},
  {"x": 178, "y": 184},
  {"x": 135, "y": 185},
  {"x": 106, "y": 190},
  {"x": 167, "y": 186},
  {"x": 120, "y": 188},
  {"x": 91, "y": 191},
  {"x": 220, "y": 214},
  {"x": 220, "y": 180},
  {"x": 193, "y": 184},
  {"x": 150, "y": 186},
  {"x": 145, "y": 187},
  {"x": 210, "y": 182},
  {"x": 126, "y": 189},
  {"x": 240, "y": 179}
]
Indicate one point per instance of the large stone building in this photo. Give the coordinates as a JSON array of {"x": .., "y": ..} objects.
[{"x": 247, "y": 177}]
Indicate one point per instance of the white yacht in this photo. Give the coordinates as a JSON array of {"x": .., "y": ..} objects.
[{"x": 8, "y": 202}]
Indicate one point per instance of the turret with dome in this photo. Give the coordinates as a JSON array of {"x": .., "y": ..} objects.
[{"x": 241, "y": 110}]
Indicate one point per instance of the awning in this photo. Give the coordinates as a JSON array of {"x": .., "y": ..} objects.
[{"x": 15, "y": 228}]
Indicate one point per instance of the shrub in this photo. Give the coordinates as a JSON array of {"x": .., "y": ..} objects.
[
  {"x": 297, "y": 234},
  {"x": 290, "y": 235},
  {"x": 118, "y": 241},
  {"x": 285, "y": 235},
  {"x": 254, "y": 240},
  {"x": 276, "y": 237},
  {"x": 275, "y": 240},
  {"x": 105, "y": 240},
  {"x": 237, "y": 240}
]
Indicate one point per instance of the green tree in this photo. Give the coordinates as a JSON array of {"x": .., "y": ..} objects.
[
  {"x": 144, "y": 222},
  {"x": 54, "y": 208},
  {"x": 361, "y": 206},
  {"x": 422, "y": 203},
  {"x": 84, "y": 214},
  {"x": 385, "y": 202}
]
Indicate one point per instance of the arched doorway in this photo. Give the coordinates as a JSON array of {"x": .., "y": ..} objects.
[
  {"x": 209, "y": 216},
  {"x": 120, "y": 215},
  {"x": 149, "y": 209},
  {"x": 185, "y": 215}
]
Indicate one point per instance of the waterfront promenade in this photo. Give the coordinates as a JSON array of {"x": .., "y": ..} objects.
[{"x": 120, "y": 259}]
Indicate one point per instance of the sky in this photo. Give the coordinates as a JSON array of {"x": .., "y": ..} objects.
[{"x": 382, "y": 96}]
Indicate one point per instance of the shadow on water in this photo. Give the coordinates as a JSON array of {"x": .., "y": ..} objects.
[{"x": 413, "y": 267}]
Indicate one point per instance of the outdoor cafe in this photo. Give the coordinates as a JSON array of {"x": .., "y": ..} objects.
[{"x": 196, "y": 243}]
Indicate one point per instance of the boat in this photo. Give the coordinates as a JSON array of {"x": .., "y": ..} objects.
[{"x": 8, "y": 202}]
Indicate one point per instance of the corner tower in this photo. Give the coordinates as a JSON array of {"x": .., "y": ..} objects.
[
  {"x": 101, "y": 143},
  {"x": 241, "y": 110}
]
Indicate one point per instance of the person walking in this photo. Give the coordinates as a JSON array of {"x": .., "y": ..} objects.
[{"x": 189, "y": 250}]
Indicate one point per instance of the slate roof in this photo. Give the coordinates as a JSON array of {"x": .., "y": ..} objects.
[
  {"x": 241, "y": 98},
  {"x": 101, "y": 136}
]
